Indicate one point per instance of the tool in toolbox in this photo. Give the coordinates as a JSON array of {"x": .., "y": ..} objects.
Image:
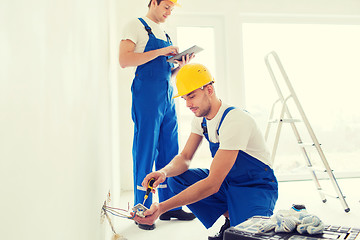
[{"x": 248, "y": 230}]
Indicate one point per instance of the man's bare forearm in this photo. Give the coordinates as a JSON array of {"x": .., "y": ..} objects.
[
  {"x": 192, "y": 194},
  {"x": 132, "y": 59},
  {"x": 177, "y": 166}
]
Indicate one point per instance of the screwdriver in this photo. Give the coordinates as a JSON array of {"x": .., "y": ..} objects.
[{"x": 149, "y": 188}]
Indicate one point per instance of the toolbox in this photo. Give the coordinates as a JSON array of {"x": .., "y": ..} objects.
[{"x": 248, "y": 230}]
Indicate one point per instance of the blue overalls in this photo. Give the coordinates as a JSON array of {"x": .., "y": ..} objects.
[
  {"x": 249, "y": 189},
  {"x": 155, "y": 122}
]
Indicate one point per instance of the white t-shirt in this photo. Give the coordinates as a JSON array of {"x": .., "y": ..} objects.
[
  {"x": 135, "y": 31},
  {"x": 238, "y": 131}
]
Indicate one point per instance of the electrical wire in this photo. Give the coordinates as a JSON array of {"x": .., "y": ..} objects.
[{"x": 115, "y": 212}]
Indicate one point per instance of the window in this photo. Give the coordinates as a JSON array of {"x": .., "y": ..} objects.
[
  {"x": 322, "y": 62},
  {"x": 205, "y": 38},
  {"x": 201, "y": 31}
]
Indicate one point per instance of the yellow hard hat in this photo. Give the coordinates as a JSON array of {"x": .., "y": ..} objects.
[
  {"x": 191, "y": 77},
  {"x": 175, "y": 2}
]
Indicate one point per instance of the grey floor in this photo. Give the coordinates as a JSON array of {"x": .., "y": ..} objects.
[{"x": 299, "y": 192}]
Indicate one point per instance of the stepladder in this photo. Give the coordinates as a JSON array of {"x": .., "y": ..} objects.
[{"x": 283, "y": 110}]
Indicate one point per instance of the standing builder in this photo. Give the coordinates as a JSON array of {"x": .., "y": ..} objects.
[{"x": 146, "y": 46}]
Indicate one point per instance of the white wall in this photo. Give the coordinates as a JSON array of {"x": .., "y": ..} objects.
[
  {"x": 55, "y": 125},
  {"x": 125, "y": 11}
]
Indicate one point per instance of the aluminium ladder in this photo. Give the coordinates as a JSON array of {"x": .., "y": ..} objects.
[{"x": 286, "y": 117}]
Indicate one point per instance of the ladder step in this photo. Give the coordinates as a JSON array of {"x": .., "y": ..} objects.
[
  {"x": 284, "y": 120},
  {"x": 310, "y": 144},
  {"x": 329, "y": 195},
  {"x": 318, "y": 169}
]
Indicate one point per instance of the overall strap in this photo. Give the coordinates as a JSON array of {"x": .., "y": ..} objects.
[
  {"x": 168, "y": 38},
  {"x": 204, "y": 127},
  {"x": 223, "y": 116},
  {"x": 147, "y": 28}
]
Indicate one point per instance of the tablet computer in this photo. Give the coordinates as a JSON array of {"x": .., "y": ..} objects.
[{"x": 194, "y": 49}]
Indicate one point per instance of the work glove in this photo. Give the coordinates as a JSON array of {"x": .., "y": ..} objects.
[
  {"x": 267, "y": 226},
  {"x": 289, "y": 220},
  {"x": 310, "y": 224},
  {"x": 283, "y": 221}
]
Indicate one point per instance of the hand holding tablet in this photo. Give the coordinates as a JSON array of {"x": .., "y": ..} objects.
[{"x": 194, "y": 49}]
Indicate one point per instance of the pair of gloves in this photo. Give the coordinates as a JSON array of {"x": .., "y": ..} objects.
[{"x": 295, "y": 218}]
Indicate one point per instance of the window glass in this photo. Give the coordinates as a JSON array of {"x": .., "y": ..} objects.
[
  {"x": 204, "y": 37},
  {"x": 322, "y": 62}
]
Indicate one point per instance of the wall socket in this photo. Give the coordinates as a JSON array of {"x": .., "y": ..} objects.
[{"x": 106, "y": 203}]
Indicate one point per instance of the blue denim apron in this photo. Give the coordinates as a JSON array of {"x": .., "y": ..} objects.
[
  {"x": 155, "y": 122},
  {"x": 249, "y": 189}
]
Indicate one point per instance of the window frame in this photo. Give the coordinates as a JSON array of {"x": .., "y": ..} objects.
[
  {"x": 216, "y": 22},
  {"x": 298, "y": 19}
]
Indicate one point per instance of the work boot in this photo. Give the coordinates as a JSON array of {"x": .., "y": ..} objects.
[
  {"x": 145, "y": 227},
  {"x": 220, "y": 234},
  {"x": 179, "y": 214}
]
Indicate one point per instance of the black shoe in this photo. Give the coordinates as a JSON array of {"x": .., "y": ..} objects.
[
  {"x": 220, "y": 234},
  {"x": 145, "y": 227},
  {"x": 179, "y": 214}
]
